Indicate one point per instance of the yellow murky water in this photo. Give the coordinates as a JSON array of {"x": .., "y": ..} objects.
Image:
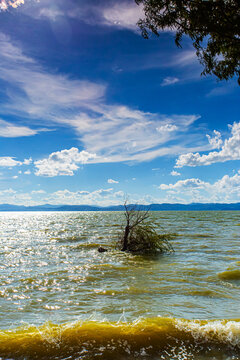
[{"x": 61, "y": 299}]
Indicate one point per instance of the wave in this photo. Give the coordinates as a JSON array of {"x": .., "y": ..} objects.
[
  {"x": 233, "y": 274},
  {"x": 154, "y": 338}
]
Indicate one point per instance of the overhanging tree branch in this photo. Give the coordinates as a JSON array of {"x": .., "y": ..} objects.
[{"x": 212, "y": 25}]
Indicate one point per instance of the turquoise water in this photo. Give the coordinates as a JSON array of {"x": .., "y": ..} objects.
[{"x": 53, "y": 279}]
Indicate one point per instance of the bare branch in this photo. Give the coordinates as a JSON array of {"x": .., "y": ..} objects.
[{"x": 133, "y": 217}]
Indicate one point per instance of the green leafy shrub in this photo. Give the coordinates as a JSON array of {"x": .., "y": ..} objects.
[{"x": 143, "y": 239}]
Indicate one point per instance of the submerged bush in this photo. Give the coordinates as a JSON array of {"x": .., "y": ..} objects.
[{"x": 142, "y": 238}]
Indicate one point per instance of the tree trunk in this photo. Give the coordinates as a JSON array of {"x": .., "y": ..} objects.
[{"x": 125, "y": 238}]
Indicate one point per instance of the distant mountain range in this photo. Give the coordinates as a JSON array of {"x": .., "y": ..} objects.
[{"x": 153, "y": 207}]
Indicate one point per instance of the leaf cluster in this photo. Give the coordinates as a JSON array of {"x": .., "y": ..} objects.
[
  {"x": 212, "y": 25},
  {"x": 143, "y": 239}
]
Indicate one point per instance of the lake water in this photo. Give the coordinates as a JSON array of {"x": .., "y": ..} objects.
[{"x": 62, "y": 299}]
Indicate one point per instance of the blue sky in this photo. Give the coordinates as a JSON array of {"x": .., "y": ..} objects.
[{"x": 92, "y": 113}]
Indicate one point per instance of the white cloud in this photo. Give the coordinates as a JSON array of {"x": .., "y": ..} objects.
[
  {"x": 167, "y": 128},
  {"x": 9, "y": 161},
  {"x": 12, "y": 53},
  {"x": 222, "y": 89},
  {"x": 226, "y": 189},
  {"x": 15, "y": 177},
  {"x": 62, "y": 162},
  {"x": 216, "y": 140},
  {"x": 118, "y": 133},
  {"x": 229, "y": 184},
  {"x": 230, "y": 151},
  {"x": 123, "y": 15},
  {"x": 114, "y": 132},
  {"x": 111, "y": 181},
  {"x": 184, "y": 58},
  {"x": 100, "y": 197},
  {"x": 27, "y": 161},
  {"x": 175, "y": 173},
  {"x": 52, "y": 13},
  {"x": 102, "y": 192},
  {"x": 187, "y": 184},
  {"x": 10, "y": 196},
  {"x": 7, "y": 191},
  {"x": 38, "y": 192},
  {"x": 9, "y": 130},
  {"x": 118, "y": 15},
  {"x": 169, "y": 81},
  {"x": 27, "y": 172},
  {"x": 38, "y": 93},
  {"x": 186, "y": 62}
]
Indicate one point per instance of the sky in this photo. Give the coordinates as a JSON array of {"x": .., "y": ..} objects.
[{"x": 93, "y": 113}]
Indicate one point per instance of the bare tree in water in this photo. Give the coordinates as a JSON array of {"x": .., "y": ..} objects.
[
  {"x": 140, "y": 237},
  {"x": 134, "y": 217}
]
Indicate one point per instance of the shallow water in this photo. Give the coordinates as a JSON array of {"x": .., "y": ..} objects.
[{"x": 60, "y": 298}]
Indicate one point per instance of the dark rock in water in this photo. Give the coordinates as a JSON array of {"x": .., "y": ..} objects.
[{"x": 101, "y": 249}]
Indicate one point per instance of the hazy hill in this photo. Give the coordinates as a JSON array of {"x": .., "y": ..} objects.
[{"x": 153, "y": 207}]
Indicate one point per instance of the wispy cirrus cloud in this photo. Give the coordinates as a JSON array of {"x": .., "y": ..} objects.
[
  {"x": 118, "y": 133},
  {"x": 183, "y": 58},
  {"x": 10, "y": 130},
  {"x": 38, "y": 93},
  {"x": 111, "y": 131},
  {"x": 169, "y": 81},
  {"x": 119, "y": 15},
  {"x": 38, "y": 192},
  {"x": 184, "y": 63},
  {"x": 114, "y": 15},
  {"x": 175, "y": 173},
  {"x": 51, "y": 13},
  {"x": 123, "y": 15},
  {"x": 12, "y": 53},
  {"x": 111, "y": 181}
]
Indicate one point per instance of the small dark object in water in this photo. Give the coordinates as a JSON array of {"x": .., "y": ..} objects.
[{"x": 101, "y": 249}]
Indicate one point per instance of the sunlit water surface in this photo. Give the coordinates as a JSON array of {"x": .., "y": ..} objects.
[{"x": 51, "y": 273}]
